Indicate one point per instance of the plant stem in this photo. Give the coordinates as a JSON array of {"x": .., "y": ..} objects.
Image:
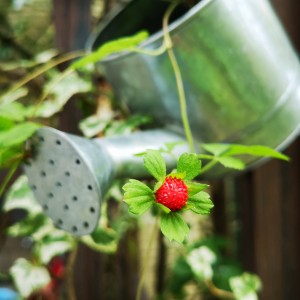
[
  {"x": 8, "y": 177},
  {"x": 178, "y": 76},
  {"x": 223, "y": 294},
  {"x": 145, "y": 261},
  {"x": 69, "y": 272},
  {"x": 43, "y": 69},
  {"x": 208, "y": 166}
]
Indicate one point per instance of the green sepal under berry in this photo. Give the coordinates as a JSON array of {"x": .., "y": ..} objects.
[
  {"x": 195, "y": 187},
  {"x": 173, "y": 227},
  {"x": 200, "y": 203},
  {"x": 138, "y": 196}
]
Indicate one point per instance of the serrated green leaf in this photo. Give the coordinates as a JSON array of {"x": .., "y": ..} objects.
[
  {"x": 17, "y": 134},
  {"x": 190, "y": 164},
  {"x": 115, "y": 46},
  {"x": 255, "y": 150},
  {"x": 28, "y": 277},
  {"x": 246, "y": 286},
  {"x": 138, "y": 196},
  {"x": 173, "y": 227},
  {"x": 195, "y": 187},
  {"x": 200, "y": 203},
  {"x": 231, "y": 162},
  {"x": 155, "y": 164},
  {"x": 137, "y": 187},
  {"x": 216, "y": 149}
]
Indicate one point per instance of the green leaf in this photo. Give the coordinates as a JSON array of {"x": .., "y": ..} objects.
[
  {"x": 126, "y": 126},
  {"x": 7, "y": 155},
  {"x": 173, "y": 227},
  {"x": 155, "y": 164},
  {"x": 190, "y": 164},
  {"x": 138, "y": 196},
  {"x": 104, "y": 236},
  {"x": 231, "y": 162},
  {"x": 28, "y": 277},
  {"x": 216, "y": 149},
  {"x": 94, "y": 124},
  {"x": 13, "y": 111},
  {"x": 201, "y": 260},
  {"x": 115, "y": 46},
  {"x": 195, "y": 187},
  {"x": 20, "y": 196},
  {"x": 62, "y": 86},
  {"x": 262, "y": 151},
  {"x": 200, "y": 203},
  {"x": 246, "y": 286},
  {"x": 5, "y": 123},
  {"x": 17, "y": 134},
  {"x": 12, "y": 95}
]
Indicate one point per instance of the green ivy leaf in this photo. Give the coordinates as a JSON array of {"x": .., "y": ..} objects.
[
  {"x": 231, "y": 162},
  {"x": 57, "y": 243},
  {"x": 17, "y": 134},
  {"x": 104, "y": 236},
  {"x": 138, "y": 196},
  {"x": 118, "y": 45},
  {"x": 173, "y": 227},
  {"x": 28, "y": 277},
  {"x": 200, "y": 203},
  {"x": 195, "y": 187},
  {"x": 190, "y": 164},
  {"x": 155, "y": 164},
  {"x": 245, "y": 286},
  {"x": 262, "y": 151},
  {"x": 201, "y": 261},
  {"x": 5, "y": 123}
]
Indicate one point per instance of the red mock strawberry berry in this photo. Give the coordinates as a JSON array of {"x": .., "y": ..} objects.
[{"x": 173, "y": 193}]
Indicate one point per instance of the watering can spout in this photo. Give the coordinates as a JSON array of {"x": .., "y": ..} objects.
[{"x": 70, "y": 175}]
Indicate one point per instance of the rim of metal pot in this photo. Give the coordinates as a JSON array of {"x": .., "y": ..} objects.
[{"x": 173, "y": 27}]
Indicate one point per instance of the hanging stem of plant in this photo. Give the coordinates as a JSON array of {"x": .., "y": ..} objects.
[
  {"x": 145, "y": 261},
  {"x": 208, "y": 166},
  {"x": 178, "y": 76},
  {"x": 222, "y": 294},
  {"x": 69, "y": 272},
  {"x": 44, "y": 68},
  {"x": 10, "y": 174}
]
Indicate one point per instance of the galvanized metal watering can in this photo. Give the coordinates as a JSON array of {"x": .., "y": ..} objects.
[{"x": 241, "y": 78}]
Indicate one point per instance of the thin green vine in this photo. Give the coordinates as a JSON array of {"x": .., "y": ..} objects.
[{"x": 179, "y": 82}]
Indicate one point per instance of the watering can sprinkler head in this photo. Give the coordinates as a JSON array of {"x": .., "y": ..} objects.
[{"x": 70, "y": 175}]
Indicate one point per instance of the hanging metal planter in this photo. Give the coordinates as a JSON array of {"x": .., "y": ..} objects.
[{"x": 241, "y": 78}]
